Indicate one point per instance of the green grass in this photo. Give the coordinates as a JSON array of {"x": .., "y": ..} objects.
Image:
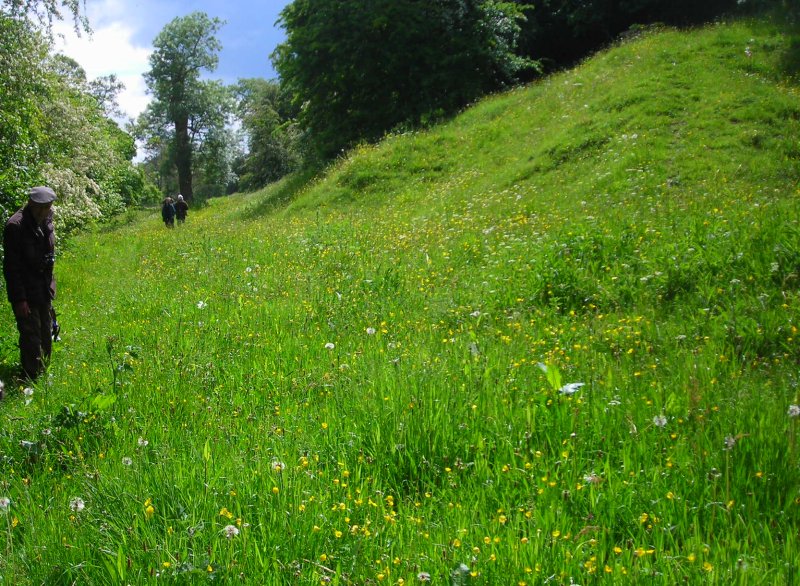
[{"x": 348, "y": 372}]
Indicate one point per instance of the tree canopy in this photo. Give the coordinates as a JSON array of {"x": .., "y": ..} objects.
[
  {"x": 273, "y": 139},
  {"x": 362, "y": 67},
  {"x": 54, "y": 129}
]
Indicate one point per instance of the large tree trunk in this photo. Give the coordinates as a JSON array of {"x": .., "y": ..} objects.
[{"x": 183, "y": 158}]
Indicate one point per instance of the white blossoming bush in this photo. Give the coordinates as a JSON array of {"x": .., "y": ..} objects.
[{"x": 76, "y": 205}]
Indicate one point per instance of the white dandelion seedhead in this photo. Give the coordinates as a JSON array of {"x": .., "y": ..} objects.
[
  {"x": 424, "y": 577},
  {"x": 230, "y": 531},
  {"x": 277, "y": 466},
  {"x": 142, "y": 442},
  {"x": 570, "y": 388},
  {"x": 730, "y": 442},
  {"x": 371, "y": 331},
  {"x": 201, "y": 304},
  {"x": 5, "y": 502},
  {"x": 27, "y": 391},
  {"x": 126, "y": 461},
  {"x": 592, "y": 478},
  {"x": 330, "y": 346},
  {"x": 660, "y": 421},
  {"x": 794, "y": 411},
  {"x": 76, "y": 505}
]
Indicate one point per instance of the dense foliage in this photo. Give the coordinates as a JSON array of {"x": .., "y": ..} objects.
[
  {"x": 55, "y": 129},
  {"x": 362, "y": 67},
  {"x": 22, "y": 81},
  {"x": 562, "y": 31},
  {"x": 273, "y": 137}
]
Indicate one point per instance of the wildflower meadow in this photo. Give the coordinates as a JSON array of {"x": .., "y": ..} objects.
[{"x": 553, "y": 340}]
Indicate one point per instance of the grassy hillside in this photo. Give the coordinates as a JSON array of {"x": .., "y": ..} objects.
[{"x": 366, "y": 379}]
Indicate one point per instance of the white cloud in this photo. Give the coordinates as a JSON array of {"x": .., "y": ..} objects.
[{"x": 110, "y": 49}]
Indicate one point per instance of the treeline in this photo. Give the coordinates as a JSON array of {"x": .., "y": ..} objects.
[{"x": 350, "y": 71}]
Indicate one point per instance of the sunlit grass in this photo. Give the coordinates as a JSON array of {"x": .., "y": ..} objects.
[{"x": 371, "y": 384}]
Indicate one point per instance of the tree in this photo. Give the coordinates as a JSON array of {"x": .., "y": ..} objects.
[
  {"x": 22, "y": 80},
  {"x": 55, "y": 130},
  {"x": 273, "y": 138},
  {"x": 560, "y": 32},
  {"x": 45, "y": 12},
  {"x": 185, "y": 47},
  {"x": 362, "y": 67}
]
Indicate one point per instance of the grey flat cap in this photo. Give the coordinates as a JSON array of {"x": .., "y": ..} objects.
[{"x": 41, "y": 194}]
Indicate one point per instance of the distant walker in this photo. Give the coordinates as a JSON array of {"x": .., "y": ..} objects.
[
  {"x": 168, "y": 212},
  {"x": 181, "y": 209}
]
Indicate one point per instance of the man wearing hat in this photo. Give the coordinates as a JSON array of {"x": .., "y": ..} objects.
[{"x": 29, "y": 256}]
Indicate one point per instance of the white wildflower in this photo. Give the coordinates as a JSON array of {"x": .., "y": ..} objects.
[
  {"x": 126, "y": 461},
  {"x": 730, "y": 441},
  {"x": 371, "y": 331},
  {"x": 660, "y": 421},
  {"x": 794, "y": 411},
  {"x": 330, "y": 346},
  {"x": 424, "y": 577},
  {"x": 230, "y": 531},
  {"x": 201, "y": 304},
  {"x": 5, "y": 502},
  {"x": 77, "y": 505},
  {"x": 142, "y": 442}
]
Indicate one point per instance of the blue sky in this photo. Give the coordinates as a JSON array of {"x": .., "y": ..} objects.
[{"x": 123, "y": 33}]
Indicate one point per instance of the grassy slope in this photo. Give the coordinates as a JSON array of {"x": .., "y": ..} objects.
[{"x": 632, "y": 223}]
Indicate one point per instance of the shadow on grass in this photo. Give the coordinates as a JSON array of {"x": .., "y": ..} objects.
[
  {"x": 11, "y": 375},
  {"x": 279, "y": 195},
  {"x": 790, "y": 61}
]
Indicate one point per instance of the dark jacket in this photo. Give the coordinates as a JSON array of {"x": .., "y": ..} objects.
[
  {"x": 181, "y": 208},
  {"x": 167, "y": 211},
  {"x": 29, "y": 255}
]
